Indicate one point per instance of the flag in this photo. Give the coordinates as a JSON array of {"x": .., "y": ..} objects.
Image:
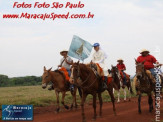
[{"x": 79, "y": 48}]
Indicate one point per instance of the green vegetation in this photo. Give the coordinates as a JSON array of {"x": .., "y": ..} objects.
[
  {"x": 5, "y": 81},
  {"x": 37, "y": 96}
]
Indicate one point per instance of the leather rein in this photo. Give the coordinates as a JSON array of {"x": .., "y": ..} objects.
[{"x": 79, "y": 78}]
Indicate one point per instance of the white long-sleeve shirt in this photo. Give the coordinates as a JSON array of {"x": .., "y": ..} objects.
[{"x": 99, "y": 57}]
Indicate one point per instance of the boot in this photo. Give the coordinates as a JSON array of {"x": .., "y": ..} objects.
[
  {"x": 51, "y": 87},
  {"x": 71, "y": 88},
  {"x": 105, "y": 87}
]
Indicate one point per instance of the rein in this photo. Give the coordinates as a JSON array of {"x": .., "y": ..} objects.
[{"x": 79, "y": 78}]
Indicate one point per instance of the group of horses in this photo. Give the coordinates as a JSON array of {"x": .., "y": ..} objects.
[{"x": 84, "y": 77}]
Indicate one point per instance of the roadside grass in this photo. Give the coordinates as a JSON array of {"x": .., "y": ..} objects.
[{"x": 35, "y": 95}]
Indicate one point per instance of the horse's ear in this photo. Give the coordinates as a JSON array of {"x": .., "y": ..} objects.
[
  {"x": 78, "y": 62},
  {"x": 49, "y": 69},
  {"x": 44, "y": 68},
  {"x": 136, "y": 61},
  {"x": 143, "y": 62}
]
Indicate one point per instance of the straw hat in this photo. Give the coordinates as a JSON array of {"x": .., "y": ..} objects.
[
  {"x": 63, "y": 52},
  {"x": 144, "y": 50},
  {"x": 120, "y": 59}
]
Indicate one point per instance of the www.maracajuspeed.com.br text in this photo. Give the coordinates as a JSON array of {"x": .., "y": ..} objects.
[{"x": 45, "y": 16}]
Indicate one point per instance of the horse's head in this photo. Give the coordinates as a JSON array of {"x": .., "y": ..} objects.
[
  {"x": 75, "y": 72},
  {"x": 139, "y": 69},
  {"x": 114, "y": 69},
  {"x": 46, "y": 77}
]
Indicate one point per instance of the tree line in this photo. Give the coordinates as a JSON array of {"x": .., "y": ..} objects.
[{"x": 5, "y": 81}]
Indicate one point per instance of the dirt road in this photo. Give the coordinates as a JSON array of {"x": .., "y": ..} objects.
[{"x": 126, "y": 112}]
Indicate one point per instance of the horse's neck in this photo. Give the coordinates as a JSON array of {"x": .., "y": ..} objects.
[
  {"x": 116, "y": 75},
  {"x": 57, "y": 79},
  {"x": 85, "y": 73},
  {"x": 144, "y": 79}
]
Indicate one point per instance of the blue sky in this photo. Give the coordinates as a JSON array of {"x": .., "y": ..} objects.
[{"x": 122, "y": 27}]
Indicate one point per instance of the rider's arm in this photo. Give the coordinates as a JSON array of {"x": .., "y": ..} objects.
[
  {"x": 69, "y": 61},
  {"x": 124, "y": 67}
]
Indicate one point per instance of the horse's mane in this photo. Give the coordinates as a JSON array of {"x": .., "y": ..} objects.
[
  {"x": 61, "y": 73},
  {"x": 84, "y": 67}
]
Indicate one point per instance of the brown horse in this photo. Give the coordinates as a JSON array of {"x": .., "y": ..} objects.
[
  {"x": 143, "y": 85},
  {"x": 119, "y": 81},
  {"x": 59, "y": 84},
  {"x": 89, "y": 83}
]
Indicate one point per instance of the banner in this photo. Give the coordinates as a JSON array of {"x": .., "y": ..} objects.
[{"x": 79, "y": 48}]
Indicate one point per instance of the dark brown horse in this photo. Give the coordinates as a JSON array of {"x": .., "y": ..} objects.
[
  {"x": 89, "y": 83},
  {"x": 119, "y": 82},
  {"x": 59, "y": 84},
  {"x": 143, "y": 85}
]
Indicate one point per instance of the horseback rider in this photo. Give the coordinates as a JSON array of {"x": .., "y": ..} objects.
[
  {"x": 66, "y": 63},
  {"x": 99, "y": 57},
  {"x": 149, "y": 62},
  {"x": 121, "y": 67}
]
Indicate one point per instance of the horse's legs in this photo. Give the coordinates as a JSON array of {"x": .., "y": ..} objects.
[
  {"x": 139, "y": 105},
  {"x": 101, "y": 102},
  {"x": 94, "y": 106},
  {"x": 150, "y": 102},
  {"x": 82, "y": 106},
  {"x": 113, "y": 90},
  {"x": 124, "y": 90},
  {"x": 57, "y": 96},
  {"x": 110, "y": 90},
  {"x": 63, "y": 97},
  {"x": 74, "y": 98},
  {"x": 118, "y": 94},
  {"x": 129, "y": 94}
]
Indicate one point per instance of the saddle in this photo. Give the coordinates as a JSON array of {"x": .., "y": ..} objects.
[
  {"x": 122, "y": 75},
  {"x": 96, "y": 69},
  {"x": 64, "y": 73},
  {"x": 99, "y": 72}
]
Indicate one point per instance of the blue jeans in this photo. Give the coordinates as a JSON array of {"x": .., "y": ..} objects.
[
  {"x": 153, "y": 71},
  {"x": 125, "y": 79},
  {"x": 69, "y": 72}
]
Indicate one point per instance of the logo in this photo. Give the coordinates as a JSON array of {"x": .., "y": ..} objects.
[{"x": 17, "y": 112}]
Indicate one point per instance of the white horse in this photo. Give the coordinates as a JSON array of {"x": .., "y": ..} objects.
[{"x": 119, "y": 82}]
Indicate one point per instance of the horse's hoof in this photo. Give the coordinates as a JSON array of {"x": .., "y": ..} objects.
[
  {"x": 139, "y": 112},
  {"x": 76, "y": 106},
  {"x": 129, "y": 100},
  {"x": 66, "y": 107},
  {"x": 72, "y": 107},
  {"x": 57, "y": 110}
]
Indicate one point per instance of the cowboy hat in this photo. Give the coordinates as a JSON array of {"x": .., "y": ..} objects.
[
  {"x": 63, "y": 52},
  {"x": 144, "y": 50},
  {"x": 120, "y": 60}
]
